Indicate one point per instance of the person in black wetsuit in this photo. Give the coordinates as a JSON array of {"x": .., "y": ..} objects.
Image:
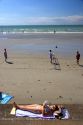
[
  {"x": 77, "y": 57},
  {"x": 5, "y": 55}
]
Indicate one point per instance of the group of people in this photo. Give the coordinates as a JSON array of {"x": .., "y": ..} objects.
[
  {"x": 45, "y": 109},
  {"x": 53, "y": 58}
]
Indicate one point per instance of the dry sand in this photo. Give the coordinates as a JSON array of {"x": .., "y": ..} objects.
[{"x": 33, "y": 79}]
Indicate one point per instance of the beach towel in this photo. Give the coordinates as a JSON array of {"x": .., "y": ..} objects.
[
  {"x": 5, "y": 98},
  {"x": 21, "y": 113}
]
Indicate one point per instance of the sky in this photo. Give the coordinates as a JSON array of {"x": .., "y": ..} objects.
[{"x": 41, "y": 12}]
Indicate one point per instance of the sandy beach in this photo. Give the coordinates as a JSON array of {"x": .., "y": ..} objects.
[{"x": 31, "y": 78}]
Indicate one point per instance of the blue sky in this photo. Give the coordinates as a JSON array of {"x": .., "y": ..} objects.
[{"x": 30, "y": 12}]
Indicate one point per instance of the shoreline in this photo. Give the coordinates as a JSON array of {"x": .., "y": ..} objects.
[{"x": 57, "y": 32}]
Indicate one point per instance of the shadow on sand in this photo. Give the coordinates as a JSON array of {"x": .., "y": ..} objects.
[
  {"x": 81, "y": 65},
  {"x": 9, "y": 62},
  {"x": 56, "y": 64}
]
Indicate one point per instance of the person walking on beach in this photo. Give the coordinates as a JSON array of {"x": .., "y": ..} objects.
[
  {"x": 51, "y": 56},
  {"x": 77, "y": 57},
  {"x": 5, "y": 55}
]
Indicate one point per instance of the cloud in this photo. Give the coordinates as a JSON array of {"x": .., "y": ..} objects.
[
  {"x": 76, "y": 19},
  {"x": 72, "y": 19},
  {"x": 55, "y": 20}
]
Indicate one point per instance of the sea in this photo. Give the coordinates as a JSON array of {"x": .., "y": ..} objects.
[
  {"x": 42, "y": 38},
  {"x": 40, "y": 28}
]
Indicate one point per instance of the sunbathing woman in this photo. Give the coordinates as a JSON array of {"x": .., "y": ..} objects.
[{"x": 45, "y": 109}]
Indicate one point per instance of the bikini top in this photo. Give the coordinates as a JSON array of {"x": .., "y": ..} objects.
[{"x": 47, "y": 109}]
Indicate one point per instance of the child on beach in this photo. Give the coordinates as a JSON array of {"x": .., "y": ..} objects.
[
  {"x": 5, "y": 55},
  {"x": 77, "y": 57},
  {"x": 51, "y": 56}
]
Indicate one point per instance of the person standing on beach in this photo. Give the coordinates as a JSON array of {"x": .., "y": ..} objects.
[
  {"x": 54, "y": 31},
  {"x": 5, "y": 55},
  {"x": 51, "y": 56},
  {"x": 77, "y": 57}
]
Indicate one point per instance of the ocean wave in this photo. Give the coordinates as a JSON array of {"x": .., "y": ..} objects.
[
  {"x": 4, "y": 30},
  {"x": 25, "y": 32}
]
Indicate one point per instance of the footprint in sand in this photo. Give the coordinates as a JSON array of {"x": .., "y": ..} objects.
[
  {"x": 60, "y": 97},
  {"x": 49, "y": 82},
  {"x": 31, "y": 96},
  {"x": 67, "y": 65},
  {"x": 70, "y": 99},
  {"x": 39, "y": 80},
  {"x": 44, "y": 89},
  {"x": 28, "y": 91}
]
